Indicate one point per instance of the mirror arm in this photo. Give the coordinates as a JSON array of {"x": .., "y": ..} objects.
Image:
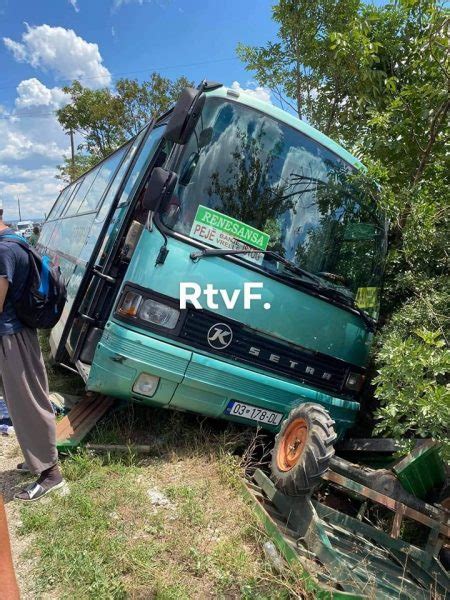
[{"x": 149, "y": 222}]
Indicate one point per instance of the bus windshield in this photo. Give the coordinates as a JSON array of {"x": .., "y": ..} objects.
[{"x": 269, "y": 177}]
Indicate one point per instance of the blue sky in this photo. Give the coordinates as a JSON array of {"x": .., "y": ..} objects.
[{"x": 45, "y": 44}]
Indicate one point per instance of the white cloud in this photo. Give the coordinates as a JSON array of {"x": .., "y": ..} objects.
[
  {"x": 17, "y": 49},
  {"x": 32, "y": 143},
  {"x": 15, "y": 189},
  {"x": 63, "y": 52},
  {"x": 36, "y": 197},
  {"x": 17, "y": 145},
  {"x": 32, "y": 92},
  {"x": 261, "y": 93},
  {"x": 31, "y": 130},
  {"x": 74, "y": 5}
]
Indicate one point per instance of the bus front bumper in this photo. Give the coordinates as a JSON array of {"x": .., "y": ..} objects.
[{"x": 196, "y": 382}]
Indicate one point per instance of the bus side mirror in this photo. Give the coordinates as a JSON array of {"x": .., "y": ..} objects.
[
  {"x": 160, "y": 188},
  {"x": 184, "y": 116}
]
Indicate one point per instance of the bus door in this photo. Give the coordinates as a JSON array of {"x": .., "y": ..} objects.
[
  {"x": 66, "y": 235},
  {"x": 108, "y": 265}
]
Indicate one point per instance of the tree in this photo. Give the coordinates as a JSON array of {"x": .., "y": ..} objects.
[
  {"x": 96, "y": 115},
  {"x": 145, "y": 101},
  {"x": 300, "y": 67},
  {"x": 106, "y": 118},
  {"x": 393, "y": 62}
]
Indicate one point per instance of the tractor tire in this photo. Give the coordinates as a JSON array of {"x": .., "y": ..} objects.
[{"x": 303, "y": 449}]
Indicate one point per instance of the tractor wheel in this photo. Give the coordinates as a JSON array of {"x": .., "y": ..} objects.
[{"x": 303, "y": 449}]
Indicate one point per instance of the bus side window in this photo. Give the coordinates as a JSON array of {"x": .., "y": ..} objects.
[
  {"x": 77, "y": 198},
  {"x": 145, "y": 155},
  {"x": 71, "y": 199},
  {"x": 100, "y": 183},
  {"x": 112, "y": 191},
  {"x": 57, "y": 207}
]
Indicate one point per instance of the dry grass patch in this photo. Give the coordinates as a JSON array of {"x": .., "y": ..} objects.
[{"x": 173, "y": 525}]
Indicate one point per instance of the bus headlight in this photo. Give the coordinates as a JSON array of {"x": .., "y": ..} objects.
[{"x": 158, "y": 314}]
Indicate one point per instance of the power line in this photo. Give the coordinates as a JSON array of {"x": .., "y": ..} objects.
[
  {"x": 49, "y": 114},
  {"x": 147, "y": 70},
  {"x": 20, "y": 116}
]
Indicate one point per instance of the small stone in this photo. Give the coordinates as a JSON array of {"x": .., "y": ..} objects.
[
  {"x": 158, "y": 498},
  {"x": 64, "y": 490},
  {"x": 272, "y": 556}
]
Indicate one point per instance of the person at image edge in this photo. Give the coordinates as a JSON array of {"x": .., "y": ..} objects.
[{"x": 24, "y": 377}]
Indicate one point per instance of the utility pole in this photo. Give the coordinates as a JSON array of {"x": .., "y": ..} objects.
[
  {"x": 18, "y": 204},
  {"x": 72, "y": 150}
]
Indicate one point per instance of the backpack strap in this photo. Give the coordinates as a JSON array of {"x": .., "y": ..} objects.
[{"x": 12, "y": 237}]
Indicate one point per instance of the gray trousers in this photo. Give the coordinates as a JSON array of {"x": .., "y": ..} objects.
[{"x": 25, "y": 387}]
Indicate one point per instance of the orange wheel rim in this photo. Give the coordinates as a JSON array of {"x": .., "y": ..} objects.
[{"x": 292, "y": 444}]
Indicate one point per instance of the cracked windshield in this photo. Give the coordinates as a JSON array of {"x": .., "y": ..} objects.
[{"x": 288, "y": 194}]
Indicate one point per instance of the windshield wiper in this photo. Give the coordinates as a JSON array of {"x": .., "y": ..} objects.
[
  {"x": 348, "y": 300},
  {"x": 195, "y": 256},
  {"x": 317, "y": 282}
]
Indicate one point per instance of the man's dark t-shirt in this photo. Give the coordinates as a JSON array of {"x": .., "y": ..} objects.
[{"x": 14, "y": 266}]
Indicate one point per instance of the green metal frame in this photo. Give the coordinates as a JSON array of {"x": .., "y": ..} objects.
[
  {"x": 361, "y": 559},
  {"x": 422, "y": 469}
]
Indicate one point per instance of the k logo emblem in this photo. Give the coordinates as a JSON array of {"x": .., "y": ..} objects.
[{"x": 220, "y": 336}]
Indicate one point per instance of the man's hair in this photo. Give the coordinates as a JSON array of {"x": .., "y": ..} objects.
[
  {"x": 36, "y": 229},
  {"x": 1, "y": 214}
]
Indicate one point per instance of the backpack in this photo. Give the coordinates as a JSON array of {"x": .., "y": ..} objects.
[{"x": 44, "y": 295}]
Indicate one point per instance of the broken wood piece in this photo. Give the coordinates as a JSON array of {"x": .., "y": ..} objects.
[{"x": 72, "y": 428}]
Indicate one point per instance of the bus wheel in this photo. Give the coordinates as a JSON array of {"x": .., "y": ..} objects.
[{"x": 303, "y": 449}]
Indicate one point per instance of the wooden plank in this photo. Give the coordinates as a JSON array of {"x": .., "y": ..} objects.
[
  {"x": 396, "y": 525},
  {"x": 81, "y": 419},
  {"x": 69, "y": 423},
  {"x": 66, "y": 422},
  {"x": 73, "y": 420},
  {"x": 91, "y": 418}
]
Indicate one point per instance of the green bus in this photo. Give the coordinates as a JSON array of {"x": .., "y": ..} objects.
[{"x": 226, "y": 262}]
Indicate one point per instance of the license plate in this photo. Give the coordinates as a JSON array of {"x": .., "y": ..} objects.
[{"x": 253, "y": 413}]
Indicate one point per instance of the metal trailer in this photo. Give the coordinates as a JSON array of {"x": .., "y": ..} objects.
[{"x": 342, "y": 556}]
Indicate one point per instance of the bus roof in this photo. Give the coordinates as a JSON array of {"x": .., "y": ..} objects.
[{"x": 285, "y": 117}]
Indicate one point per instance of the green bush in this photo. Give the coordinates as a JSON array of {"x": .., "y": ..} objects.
[{"x": 413, "y": 363}]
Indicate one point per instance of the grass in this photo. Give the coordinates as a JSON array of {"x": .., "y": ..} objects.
[
  {"x": 109, "y": 539},
  {"x": 106, "y": 539}
]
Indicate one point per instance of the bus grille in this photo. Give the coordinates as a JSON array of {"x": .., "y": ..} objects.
[{"x": 248, "y": 346}]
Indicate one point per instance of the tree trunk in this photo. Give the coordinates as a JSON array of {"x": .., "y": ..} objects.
[
  {"x": 438, "y": 119},
  {"x": 299, "y": 89}
]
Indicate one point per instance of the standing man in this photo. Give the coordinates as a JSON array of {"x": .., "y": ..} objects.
[
  {"x": 33, "y": 239},
  {"x": 24, "y": 377}
]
